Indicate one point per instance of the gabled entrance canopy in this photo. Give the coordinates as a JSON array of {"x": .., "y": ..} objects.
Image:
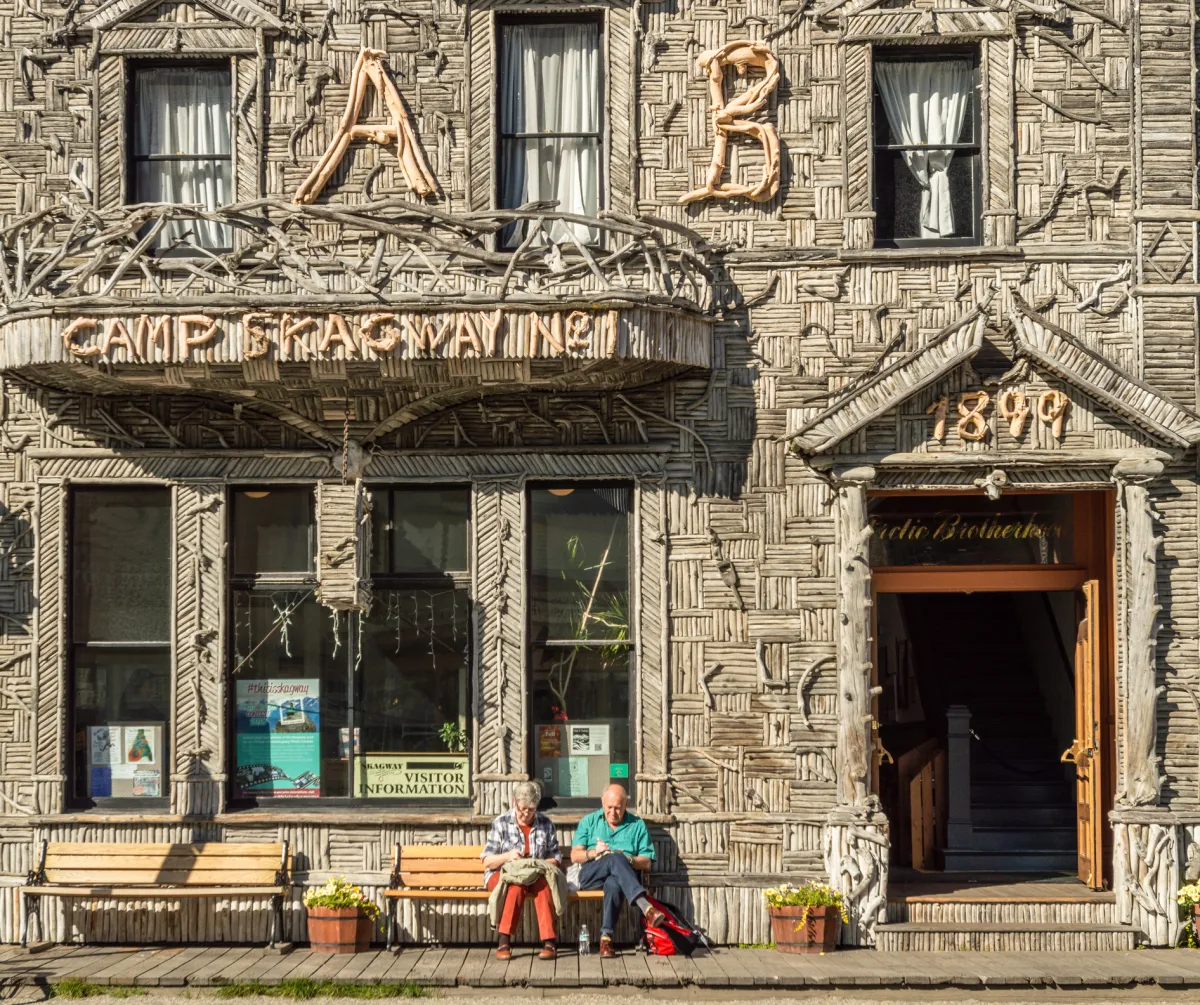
[
  {"x": 1037, "y": 340},
  {"x": 242, "y": 13}
]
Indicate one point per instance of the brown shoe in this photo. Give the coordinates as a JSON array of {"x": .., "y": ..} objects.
[
  {"x": 549, "y": 952},
  {"x": 504, "y": 953},
  {"x": 606, "y": 948},
  {"x": 655, "y": 917}
]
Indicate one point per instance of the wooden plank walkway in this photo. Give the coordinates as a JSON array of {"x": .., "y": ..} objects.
[{"x": 441, "y": 966}]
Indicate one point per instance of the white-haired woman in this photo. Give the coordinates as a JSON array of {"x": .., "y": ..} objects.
[{"x": 523, "y": 832}]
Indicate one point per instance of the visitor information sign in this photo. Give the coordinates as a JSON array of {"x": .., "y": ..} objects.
[{"x": 278, "y": 737}]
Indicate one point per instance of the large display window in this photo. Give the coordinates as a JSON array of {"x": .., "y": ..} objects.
[{"x": 348, "y": 705}]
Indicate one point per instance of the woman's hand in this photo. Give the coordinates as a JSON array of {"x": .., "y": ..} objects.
[{"x": 515, "y": 854}]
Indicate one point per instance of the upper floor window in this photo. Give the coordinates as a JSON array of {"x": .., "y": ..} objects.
[
  {"x": 550, "y": 122},
  {"x": 181, "y": 147},
  {"x": 927, "y": 171}
]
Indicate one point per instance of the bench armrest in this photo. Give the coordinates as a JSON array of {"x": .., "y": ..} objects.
[
  {"x": 394, "y": 878},
  {"x": 37, "y": 875},
  {"x": 281, "y": 874}
]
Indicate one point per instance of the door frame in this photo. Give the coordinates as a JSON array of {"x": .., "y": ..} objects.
[{"x": 1094, "y": 521}]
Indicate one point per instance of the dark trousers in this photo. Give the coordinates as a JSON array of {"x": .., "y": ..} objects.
[{"x": 620, "y": 882}]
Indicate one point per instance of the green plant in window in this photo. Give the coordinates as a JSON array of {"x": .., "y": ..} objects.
[
  {"x": 594, "y": 608},
  {"x": 454, "y": 737}
]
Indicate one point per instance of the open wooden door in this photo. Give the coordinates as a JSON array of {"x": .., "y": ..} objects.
[{"x": 1085, "y": 751}]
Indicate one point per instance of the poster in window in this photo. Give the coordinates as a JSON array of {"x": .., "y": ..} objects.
[
  {"x": 140, "y": 746},
  {"x": 412, "y": 776},
  {"x": 278, "y": 738},
  {"x": 550, "y": 741},
  {"x": 587, "y": 741},
  {"x": 125, "y": 760},
  {"x": 104, "y": 745}
]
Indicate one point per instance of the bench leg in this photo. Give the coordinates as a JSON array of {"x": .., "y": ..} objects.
[
  {"x": 391, "y": 922},
  {"x": 32, "y": 910},
  {"x": 276, "y": 920}
]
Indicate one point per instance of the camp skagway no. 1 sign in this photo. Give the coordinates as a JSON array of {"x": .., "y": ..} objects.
[{"x": 299, "y": 335}]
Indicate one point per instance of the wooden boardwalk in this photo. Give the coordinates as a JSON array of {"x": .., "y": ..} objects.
[{"x": 208, "y": 966}]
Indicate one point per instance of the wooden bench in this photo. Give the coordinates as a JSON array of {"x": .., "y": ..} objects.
[
  {"x": 443, "y": 872},
  {"x": 125, "y": 871}
]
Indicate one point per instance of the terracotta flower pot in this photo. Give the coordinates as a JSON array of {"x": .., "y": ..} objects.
[
  {"x": 818, "y": 934},
  {"x": 339, "y": 930}
]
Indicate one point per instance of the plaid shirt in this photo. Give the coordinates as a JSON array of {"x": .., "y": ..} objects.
[{"x": 506, "y": 835}]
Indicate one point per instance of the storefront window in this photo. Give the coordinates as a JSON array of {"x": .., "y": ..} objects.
[
  {"x": 120, "y": 633},
  {"x": 581, "y": 641},
  {"x": 335, "y": 704},
  {"x": 414, "y": 683}
]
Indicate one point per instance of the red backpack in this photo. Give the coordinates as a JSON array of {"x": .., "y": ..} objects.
[{"x": 672, "y": 936}]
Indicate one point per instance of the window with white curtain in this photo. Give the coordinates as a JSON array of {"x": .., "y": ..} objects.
[
  {"x": 550, "y": 124},
  {"x": 927, "y": 187},
  {"x": 181, "y": 147}
]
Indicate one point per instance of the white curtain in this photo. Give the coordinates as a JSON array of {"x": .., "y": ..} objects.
[
  {"x": 184, "y": 113},
  {"x": 550, "y": 83},
  {"x": 926, "y": 103}
]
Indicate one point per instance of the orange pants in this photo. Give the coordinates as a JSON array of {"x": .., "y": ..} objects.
[{"x": 514, "y": 904}]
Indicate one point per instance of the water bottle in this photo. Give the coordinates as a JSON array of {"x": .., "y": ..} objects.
[{"x": 585, "y": 941}]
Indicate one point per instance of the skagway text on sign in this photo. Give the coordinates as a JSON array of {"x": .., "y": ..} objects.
[{"x": 298, "y": 336}]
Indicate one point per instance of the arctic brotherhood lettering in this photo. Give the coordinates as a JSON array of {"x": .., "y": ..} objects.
[{"x": 298, "y": 336}]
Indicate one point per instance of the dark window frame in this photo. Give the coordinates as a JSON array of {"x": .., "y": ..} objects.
[
  {"x": 881, "y": 150},
  {"x": 504, "y": 242},
  {"x": 570, "y": 803},
  {"x": 109, "y": 803},
  {"x": 266, "y": 583},
  {"x": 133, "y": 68}
]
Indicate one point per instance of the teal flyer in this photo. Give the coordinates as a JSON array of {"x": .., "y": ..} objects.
[{"x": 278, "y": 737}]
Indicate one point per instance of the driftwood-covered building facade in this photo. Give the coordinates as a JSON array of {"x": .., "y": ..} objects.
[{"x": 786, "y": 409}]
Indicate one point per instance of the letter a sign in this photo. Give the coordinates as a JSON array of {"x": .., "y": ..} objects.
[{"x": 369, "y": 69}]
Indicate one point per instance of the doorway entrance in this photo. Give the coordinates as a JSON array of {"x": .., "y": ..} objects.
[{"x": 993, "y": 703}]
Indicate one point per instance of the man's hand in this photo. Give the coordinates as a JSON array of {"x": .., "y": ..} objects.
[{"x": 601, "y": 848}]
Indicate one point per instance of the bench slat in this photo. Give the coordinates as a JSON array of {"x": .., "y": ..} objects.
[
  {"x": 168, "y": 863},
  {"x": 91, "y": 850},
  {"x": 410, "y": 894},
  {"x": 432, "y": 867},
  {"x": 171, "y": 877},
  {"x": 439, "y": 880},
  {"x": 436, "y": 851}
]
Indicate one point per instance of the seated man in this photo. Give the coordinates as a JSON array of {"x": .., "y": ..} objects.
[{"x": 612, "y": 844}]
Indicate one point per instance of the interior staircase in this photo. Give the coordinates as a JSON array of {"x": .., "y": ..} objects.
[
  {"x": 1015, "y": 887},
  {"x": 1022, "y": 796}
]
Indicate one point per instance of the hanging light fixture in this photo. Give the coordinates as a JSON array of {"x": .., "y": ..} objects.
[
  {"x": 257, "y": 495},
  {"x": 560, "y": 492}
]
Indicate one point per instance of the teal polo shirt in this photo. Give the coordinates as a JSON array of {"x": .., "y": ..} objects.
[{"x": 630, "y": 836}]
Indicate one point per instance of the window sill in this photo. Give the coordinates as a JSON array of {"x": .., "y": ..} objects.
[
  {"x": 931, "y": 251},
  {"x": 254, "y": 816}
]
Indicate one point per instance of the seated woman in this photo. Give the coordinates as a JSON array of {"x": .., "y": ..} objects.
[{"x": 523, "y": 832}]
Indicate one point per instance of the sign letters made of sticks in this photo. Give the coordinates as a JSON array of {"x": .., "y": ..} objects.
[
  {"x": 734, "y": 118},
  {"x": 369, "y": 69}
]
